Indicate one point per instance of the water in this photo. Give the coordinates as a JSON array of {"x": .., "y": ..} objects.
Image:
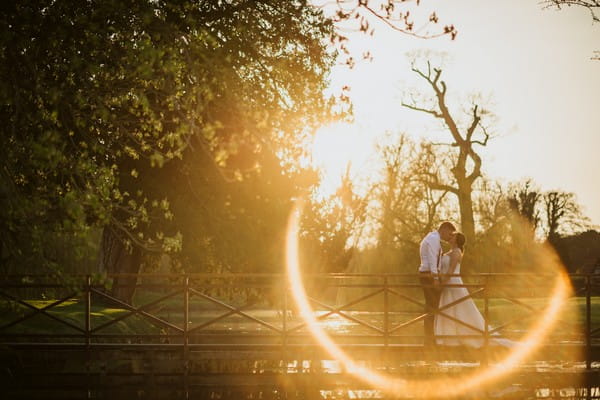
[{"x": 310, "y": 379}]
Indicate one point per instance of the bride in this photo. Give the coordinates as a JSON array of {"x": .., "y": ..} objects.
[{"x": 448, "y": 332}]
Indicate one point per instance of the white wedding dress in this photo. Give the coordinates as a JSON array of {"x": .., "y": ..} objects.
[{"x": 465, "y": 311}]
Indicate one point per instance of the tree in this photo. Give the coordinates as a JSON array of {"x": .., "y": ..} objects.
[
  {"x": 104, "y": 104},
  {"x": 492, "y": 206},
  {"x": 392, "y": 13},
  {"x": 362, "y": 16},
  {"x": 392, "y": 189},
  {"x": 555, "y": 212},
  {"x": 563, "y": 214},
  {"x": 332, "y": 228},
  {"x": 466, "y": 167},
  {"x": 524, "y": 200},
  {"x": 404, "y": 207},
  {"x": 230, "y": 195},
  {"x": 78, "y": 97},
  {"x": 409, "y": 204}
]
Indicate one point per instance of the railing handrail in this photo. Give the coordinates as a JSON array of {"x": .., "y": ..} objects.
[
  {"x": 189, "y": 288},
  {"x": 282, "y": 274}
]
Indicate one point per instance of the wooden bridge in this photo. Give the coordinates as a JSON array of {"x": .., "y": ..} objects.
[{"x": 196, "y": 336}]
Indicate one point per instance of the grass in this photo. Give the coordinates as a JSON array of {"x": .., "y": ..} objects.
[{"x": 72, "y": 312}]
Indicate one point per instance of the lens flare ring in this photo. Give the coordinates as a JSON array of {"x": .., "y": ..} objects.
[{"x": 417, "y": 387}]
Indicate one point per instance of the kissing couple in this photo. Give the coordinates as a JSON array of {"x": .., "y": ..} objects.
[{"x": 466, "y": 325}]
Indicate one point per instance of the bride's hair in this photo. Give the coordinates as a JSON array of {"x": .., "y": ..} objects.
[{"x": 460, "y": 241}]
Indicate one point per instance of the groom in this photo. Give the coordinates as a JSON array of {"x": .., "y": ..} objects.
[{"x": 431, "y": 255}]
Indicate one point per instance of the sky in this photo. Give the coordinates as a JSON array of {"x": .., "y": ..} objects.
[{"x": 531, "y": 67}]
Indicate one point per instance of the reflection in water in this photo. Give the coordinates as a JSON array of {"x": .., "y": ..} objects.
[
  {"x": 337, "y": 323},
  {"x": 542, "y": 386},
  {"x": 331, "y": 366}
]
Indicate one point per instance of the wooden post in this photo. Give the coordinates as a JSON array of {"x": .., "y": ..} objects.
[
  {"x": 88, "y": 327},
  {"x": 486, "y": 319},
  {"x": 386, "y": 321},
  {"x": 186, "y": 320},
  {"x": 284, "y": 352},
  {"x": 588, "y": 323},
  {"x": 88, "y": 310}
]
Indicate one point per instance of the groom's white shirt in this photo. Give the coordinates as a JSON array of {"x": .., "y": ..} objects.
[{"x": 431, "y": 247}]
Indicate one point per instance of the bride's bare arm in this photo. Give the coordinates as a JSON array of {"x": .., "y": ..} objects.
[{"x": 455, "y": 258}]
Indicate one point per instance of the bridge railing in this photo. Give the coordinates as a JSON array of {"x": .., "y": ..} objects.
[{"x": 238, "y": 311}]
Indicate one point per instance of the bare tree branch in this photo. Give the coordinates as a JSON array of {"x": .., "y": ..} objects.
[
  {"x": 474, "y": 124},
  {"x": 591, "y": 5},
  {"x": 432, "y": 112},
  {"x": 486, "y": 136}
]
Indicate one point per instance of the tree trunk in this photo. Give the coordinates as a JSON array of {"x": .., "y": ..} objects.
[
  {"x": 115, "y": 258},
  {"x": 467, "y": 220}
]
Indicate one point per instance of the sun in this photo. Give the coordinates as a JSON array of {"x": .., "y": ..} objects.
[{"x": 339, "y": 149}]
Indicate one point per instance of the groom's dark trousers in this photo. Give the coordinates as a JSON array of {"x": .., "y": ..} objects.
[{"x": 432, "y": 300}]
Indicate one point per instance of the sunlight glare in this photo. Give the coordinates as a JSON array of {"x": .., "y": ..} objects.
[
  {"x": 528, "y": 344},
  {"x": 340, "y": 148}
]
